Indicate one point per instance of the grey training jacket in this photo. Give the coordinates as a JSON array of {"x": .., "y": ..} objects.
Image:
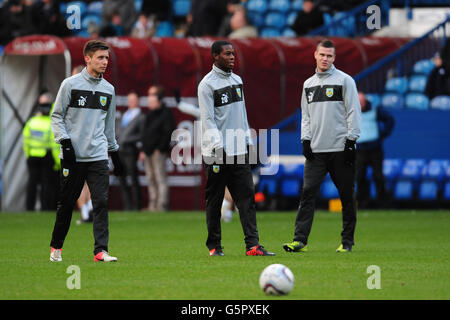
[
  {"x": 84, "y": 112},
  {"x": 331, "y": 112},
  {"x": 223, "y": 114}
]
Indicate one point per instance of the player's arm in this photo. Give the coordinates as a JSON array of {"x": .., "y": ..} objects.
[
  {"x": 110, "y": 125},
  {"x": 353, "y": 108},
  {"x": 211, "y": 135},
  {"x": 306, "y": 121},
  {"x": 58, "y": 115}
]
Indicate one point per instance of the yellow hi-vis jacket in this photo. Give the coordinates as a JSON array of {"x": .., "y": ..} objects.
[{"x": 38, "y": 138}]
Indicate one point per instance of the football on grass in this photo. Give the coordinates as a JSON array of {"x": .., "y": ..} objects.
[{"x": 276, "y": 279}]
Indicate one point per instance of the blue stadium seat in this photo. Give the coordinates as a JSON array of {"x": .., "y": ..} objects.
[
  {"x": 82, "y": 33},
  {"x": 90, "y": 18},
  {"x": 269, "y": 33},
  {"x": 275, "y": 20},
  {"x": 269, "y": 178},
  {"x": 412, "y": 169},
  {"x": 423, "y": 66},
  {"x": 404, "y": 190},
  {"x": 1, "y": 50},
  {"x": 435, "y": 170},
  {"x": 391, "y": 170},
  {"x": 397, "y": 84},
  {"x": 297, "y": 5},
  {"x": 256, "y": 18},
  {"x": 280, "y": 5},
  {"x": 428, "y": 190},
  {"x": 138, "y": 5},
  {"x": 328, "y": 190},
  {"x": 291, "y": 18},
  {"x": 392, "y": 100},
  {"x": 290, "y": 187},
  {"x": 374, "y": 99},
  {"x": 165, "y": 29},
  {"x": 288, "y": 32},
  {"x": 446, "y": 193},
  {"x": 440, "y": 103},
  {"x": 415, "y": 100},
  {"x": 417, "y": 83},
  {"x": 260, "y": 6},
  {"x": 181, "y": 7},
  {"x": 95, "y": 7}
]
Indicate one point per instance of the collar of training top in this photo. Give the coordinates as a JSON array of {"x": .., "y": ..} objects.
[
  {"x": 88, "y": 77},
  {"x": 326, "y": 73},
  {"x": 221, "y": 72}
]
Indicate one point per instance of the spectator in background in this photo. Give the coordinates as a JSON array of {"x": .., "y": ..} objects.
[
  {"x": 114, "y": 26},
  {"x": 240, "y": 25},
  {"x": 225, "y": 27},
  {"x": 157, "y": 10},
  {"x": 48, "y": 18},
  {"x": 128, "y": 132},
  {"x": 125, "y": 8},
  {"x": 205, "y": 17},
  {"x": 144, "y": 27},
  {"x": 156, "y": 128},
  {"x": 94, "y": 30},
  {"x": 438, "y": 82},
  {"x": 38, "y": 145},
  {"x": 308, "y": 19},
  {"x": 376, "y": 125},
  {"x": 16, "y": 20}
]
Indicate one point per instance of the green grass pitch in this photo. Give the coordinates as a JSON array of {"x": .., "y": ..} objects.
[{"x": 163, "y": 256}]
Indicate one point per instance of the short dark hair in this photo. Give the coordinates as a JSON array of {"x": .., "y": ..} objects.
[
  {"x": 326, "y": 43},
  {"x": 160, "y": 91},
  {"x": 216, "y": 47},
  {"x": 93, "y": 45}
]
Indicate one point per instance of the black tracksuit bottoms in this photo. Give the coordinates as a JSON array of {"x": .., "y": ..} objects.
[
  {"x": 238, "y": 179},
  {"x": 96, "y": 174},
  {"x": 343, "y": 176}
]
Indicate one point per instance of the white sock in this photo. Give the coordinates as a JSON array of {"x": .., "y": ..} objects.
[
  {"x": 84, "y": 211},
  {"x": 89, "y": 204},
  {"x": 226, "y": 205}
]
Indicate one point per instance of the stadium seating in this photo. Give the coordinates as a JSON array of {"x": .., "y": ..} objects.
[
  {"x": 165, "y": 29},
  {"x": 275, "y": 20},
  {"x": 392, "y": 100},
  {"x": 391, "y": 170},
  {"x": 280, "y": 5},
  {"x": 440, "y": 103},
  {"x": 291, "y": 18},
  {"x": 138, "y": 5},
  {"x": 292, "y": 176},
  {"x": 269, "y": 179},
  {"x": 181, "y": 7},
  {"x": 256, "y": 18},
  {"x": 297, "y": 5},
  {"x": 417, "y": 100},
  {"x": 288, "y": 32},
  {"x": 404, "y": 190},
  {"x": 417, "y": 83},
  {"x": 397, "y": 84},
  {"x": 428, "y": 190},
  {"x": 90, "y": 18},
  {"x": 95, "y": 7},
  {"x": 328, "y": 190},
  {"x": 423, "y": 67},
  {"x": 270, "y": 33},
  {"x": 446, "y": 193},
  {"x": 260, "y": 6},
  {"x": 374, "y": 99}
]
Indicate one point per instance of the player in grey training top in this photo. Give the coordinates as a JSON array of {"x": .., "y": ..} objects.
[
  {"x": 226, "y": 136},
  {"x": 331, "y": 121},
  {"x": 83, "y": 122}
]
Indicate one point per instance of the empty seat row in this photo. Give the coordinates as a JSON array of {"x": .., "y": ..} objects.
[{"x": 413, "y": 100}]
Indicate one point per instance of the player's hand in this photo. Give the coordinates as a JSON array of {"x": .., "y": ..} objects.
[
  {"x": 350, "y": 152},
  {"x": 307, "y": 151},
  {"x": 68, "y": 152},
  {"x": 118, "y": 167}
]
